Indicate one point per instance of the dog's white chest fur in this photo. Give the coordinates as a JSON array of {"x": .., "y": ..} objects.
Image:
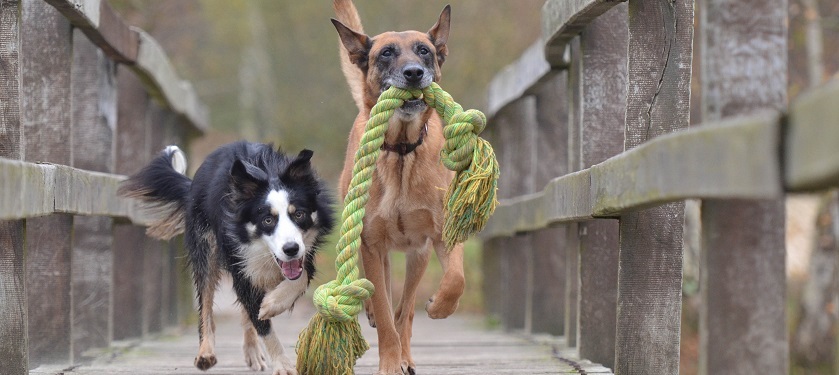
[{"x": 259, "y": 266}]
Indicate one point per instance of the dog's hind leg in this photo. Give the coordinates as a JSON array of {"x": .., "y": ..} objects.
[
  {"x": 254, "y": 357},
  {"x": 444, "y": 302},
  {"x": 416, "y": 262},
  {"x": 205, "y": 272},
  {"x": 390, "y": 349}
]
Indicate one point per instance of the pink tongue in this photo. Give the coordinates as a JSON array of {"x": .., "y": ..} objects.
[{"x": 291, "y": 270}]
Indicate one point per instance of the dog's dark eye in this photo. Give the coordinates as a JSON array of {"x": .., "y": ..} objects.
[
  {"x": 387, "y": 53},
  {"x": 268, "y": 221},
  {"x": 423, "y": 51},
  {"x": 299, "y": 214}
]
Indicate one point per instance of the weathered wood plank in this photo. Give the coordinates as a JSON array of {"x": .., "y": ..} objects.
[
  {"x": 562, "y": 20},
  {"x": 46, "y": 117},
  {"x": 734, "y": 158},
  {"x": 94, "y": 124},
  {"x": 156, "y": 71},
  {"x": 103, "y": 26},
  {"x": 14, "y": 346},
  {"x": 128, "y": 281},
  {"x": 812, "y": 139},
  {"x": 10, "y": 131},
  {"x": 29, "y": 190},
  {"x": 133, "y": 152},
  {"x": 549, "y": 245},
  {"x": 602, "y": 62},
  {"x": 743, "y": 282},
  {"x": 517, "y": 126},
  {"x": 518, "y": 78},
  {"x": 14, "y": 356},
  {"x": 650, "y": 271}
]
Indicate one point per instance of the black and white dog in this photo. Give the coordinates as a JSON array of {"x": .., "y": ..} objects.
[{"x": 253, "y": 212}]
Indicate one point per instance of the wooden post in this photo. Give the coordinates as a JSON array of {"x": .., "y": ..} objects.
[
  {"x": 517, "y": 126},
  {"x": 45, "y": 61},
  {"x": 129, "y": 239},
  {"x": 94, "y": 125},
  {"x": 743, "y": 281},
  {"x": 572, "y": 254},
  {"x": 549, "y": 245},
  {"x": 650, "y": 278},
  {"x": 154, "y": 252},
  {"x": 601, "y": 60},
  {"x": 13, "y": 316},
  {"x": 491, "y": 251}
]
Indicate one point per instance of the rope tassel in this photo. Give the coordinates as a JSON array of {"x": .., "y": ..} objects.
[{"x": 332, "y": 342}]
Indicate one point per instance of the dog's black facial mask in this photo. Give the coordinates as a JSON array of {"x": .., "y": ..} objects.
[{"x": 359, "y": 45}]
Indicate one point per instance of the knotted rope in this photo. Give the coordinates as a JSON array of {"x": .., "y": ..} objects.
[{"x": 332, "y": 342}]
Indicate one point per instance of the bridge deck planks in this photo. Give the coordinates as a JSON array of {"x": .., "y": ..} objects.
[{"x": 457, "y": 345}]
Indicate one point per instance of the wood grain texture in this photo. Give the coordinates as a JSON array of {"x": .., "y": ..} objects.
[
  {"x": 562, "y": 20},
  {"x": 156, "y": 71},
  {"x": 650, "y": 270},
  {"x": 103, "y": 26},
  {"x": 812, "y": 139},
  {"x": 727, "y": 159},
  {"x": 94, "y": 124},
  {"x": 13, "y": 313},
  {"x": 46, "y": 118},
  {"x": 11, "y": 132},
  {"x": 550, "y": 248},
  {"x": 743, "y": 282},
  {"x": 602, "y": 62},
  {"x": 128, "y": 281},
  {"x": 517, "y": 127},
  {"x": 14, "y": 356},
  {"x": 518, "y": 78}
]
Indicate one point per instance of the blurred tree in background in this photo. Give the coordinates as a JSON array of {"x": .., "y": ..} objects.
[{"x": 269, "y": 71}]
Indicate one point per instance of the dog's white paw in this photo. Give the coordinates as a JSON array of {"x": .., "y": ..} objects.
[
  {"x": 283, "y": 366},
  {"x": 271, "y": 307},
  {"x": 254, "y": 357}
]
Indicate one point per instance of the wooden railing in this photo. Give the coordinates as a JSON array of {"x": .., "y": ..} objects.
[
  {"x": 591, "y": 130},
  {"x": 84, "y": 100}
]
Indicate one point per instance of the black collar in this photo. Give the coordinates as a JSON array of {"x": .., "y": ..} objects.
[{"x": 406, "y": 148}]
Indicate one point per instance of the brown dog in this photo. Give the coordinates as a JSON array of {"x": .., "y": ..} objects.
[{"x": 405, "y": 210}]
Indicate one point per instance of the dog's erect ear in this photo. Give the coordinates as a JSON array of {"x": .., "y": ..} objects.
[
  {"x": 357, "y": 44},
  {"x": 247, "y": 179},
  {"x": 439, "y": 34},
  {"x": 301, "y": 166}
]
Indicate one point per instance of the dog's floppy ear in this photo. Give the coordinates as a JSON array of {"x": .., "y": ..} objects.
[
  {"x": 439, "y": 34},
  {"x": 301, "y": 166},
  {"x": 247, "y": 179},
  {"x": 357, "y": 44}
]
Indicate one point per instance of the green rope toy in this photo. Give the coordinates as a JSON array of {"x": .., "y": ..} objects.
[{"x": 332, "y": 342}]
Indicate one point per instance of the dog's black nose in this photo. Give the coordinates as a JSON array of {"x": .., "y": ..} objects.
[
  {"x": 413, "y": 73},
  {"x": 291, "y": 249}
]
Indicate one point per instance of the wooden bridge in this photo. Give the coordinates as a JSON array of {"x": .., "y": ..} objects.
[{"x": 591, "y": 127}]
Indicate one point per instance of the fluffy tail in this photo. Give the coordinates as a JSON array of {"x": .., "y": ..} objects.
[
  {"x": 163, "y": 187},
  {"x": 346, "y": 12}
]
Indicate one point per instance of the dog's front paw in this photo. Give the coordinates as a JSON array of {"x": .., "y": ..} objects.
[
  {"x": 283, "y": 366},
  {"x": 408, "y": 368},
  {"x": 254, "y": 357},
  {"x": 271, "y": 307},
  {"x": 204, "y": 361},
  {"x": 438, "y": 308}
]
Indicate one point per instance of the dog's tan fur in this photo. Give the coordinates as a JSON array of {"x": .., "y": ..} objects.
[{"x": 405, "y": 210}]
